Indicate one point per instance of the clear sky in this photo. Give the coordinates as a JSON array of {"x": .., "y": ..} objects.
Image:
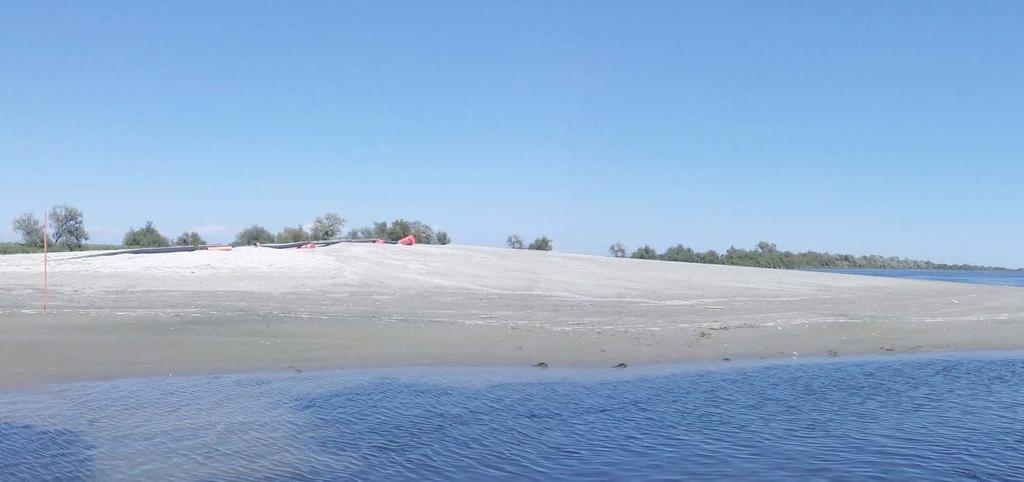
[{"x": 883, "y": 127}]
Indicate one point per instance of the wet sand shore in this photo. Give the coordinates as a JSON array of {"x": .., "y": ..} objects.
[{"x": 368, "y": 305}]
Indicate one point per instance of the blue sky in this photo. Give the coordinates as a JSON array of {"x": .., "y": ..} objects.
[{"x": 867, "y": 127}]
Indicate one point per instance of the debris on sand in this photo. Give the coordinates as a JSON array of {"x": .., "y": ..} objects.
[
  {"x": 540, "y": 365},
  {"x": 621, "y": 365}
]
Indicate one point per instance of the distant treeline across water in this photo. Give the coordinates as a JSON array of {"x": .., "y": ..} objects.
[{"x": 767, "y": 255}]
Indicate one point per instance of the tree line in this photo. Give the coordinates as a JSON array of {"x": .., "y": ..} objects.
[
  {"x": 66, "y": 231},
  {"x": 330, "y": 226},
  {"x": 764, "y": 255}
]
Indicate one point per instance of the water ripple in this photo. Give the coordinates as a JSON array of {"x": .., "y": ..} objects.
[{"x": 929, "y": 418}]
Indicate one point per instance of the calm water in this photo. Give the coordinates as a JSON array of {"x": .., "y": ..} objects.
[
  {"x": 1001, "y": 278},
  {"x": 928, "y": 418}
]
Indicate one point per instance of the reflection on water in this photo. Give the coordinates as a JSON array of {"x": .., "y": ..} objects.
[{"x": 928, "y": 418}]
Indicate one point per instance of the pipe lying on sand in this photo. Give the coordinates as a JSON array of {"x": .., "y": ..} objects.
[
  {"x": 168, "y": 249},
  {"x": 181, "y": 249},
  {"x": 318, "y": 244}
]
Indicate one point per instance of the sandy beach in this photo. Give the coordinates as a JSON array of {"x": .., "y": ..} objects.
[{"x": 357, "y": 305}]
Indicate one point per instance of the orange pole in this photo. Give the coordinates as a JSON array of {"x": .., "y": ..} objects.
[{"x": 46, "y": 275}]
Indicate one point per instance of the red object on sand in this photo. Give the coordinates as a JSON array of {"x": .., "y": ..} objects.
[
  {"x": 408, "y": 240},
  {"x": 379, "y": 241},
  {"x": 308, "y": 246}
]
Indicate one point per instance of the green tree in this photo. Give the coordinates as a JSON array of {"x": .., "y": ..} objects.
[
  {"x": 710, "y": 257},
  {"x": 767, "y": 248},
  {"x": 327, "y": 227},
  {"x": 399, "y": 229},
  {"x": 145, "y": 237},
  {"x": 645, "y": 252},
  {"x": 29, "y": 229},
  {"x": 514, "y": 241},
  {"x": 617, "y": 250},
  {"x": 366, "y": 232},
  {"x": 423, "y": 232},
  {"x": 541, "y": 244},
  {"x": 252, "y": 235},
  {"x": 190, "y": 238},
  {"x": 67, "y": 227},
  {"x": 680, "y": 253},
  {"x": 292, "y": 235}
]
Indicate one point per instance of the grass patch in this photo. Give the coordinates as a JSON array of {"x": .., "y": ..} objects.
[{"x": 16, "y": 248}]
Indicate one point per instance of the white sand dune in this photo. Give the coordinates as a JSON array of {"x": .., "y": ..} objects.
[{"x": 367, "y": 305}]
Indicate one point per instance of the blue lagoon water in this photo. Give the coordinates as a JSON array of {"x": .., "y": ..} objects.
[
  {"x": 928, "y": 418},
  {"x": 999, "y": 278}
]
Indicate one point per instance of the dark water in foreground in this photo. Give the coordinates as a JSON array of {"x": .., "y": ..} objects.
[
  {"x": 1000, "y": 278},
  {"x": 928, "y": 418}
]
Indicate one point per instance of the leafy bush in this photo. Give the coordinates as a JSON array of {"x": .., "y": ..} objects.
[
  {"x": 367, "y": 232},
  {"x": 29, "y": 229},
  {"x": 645, "y": 252},
  {"x": 292, "y": 235},
  {"x": 145, "y": 237},
  {"x": 680, "y": 253},
  {"x": 67, "y": 227},
  {"x": 514, "y": 241},
  {"x": 618, "y": 250},
  {"x": 424, "y": 233},
  {"x": 541, "y": 244},
  {"x": 190, "y": 238},
  {"x": 399, "y": 229},
  {"x": 327, "y": 226},
  {"x": 252, "y": 235}
]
